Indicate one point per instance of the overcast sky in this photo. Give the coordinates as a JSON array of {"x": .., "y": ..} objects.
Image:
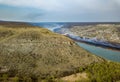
[{"x": 60, "y": 10}]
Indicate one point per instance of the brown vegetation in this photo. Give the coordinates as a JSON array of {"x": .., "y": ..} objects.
[{"x": 38, "y": 53}]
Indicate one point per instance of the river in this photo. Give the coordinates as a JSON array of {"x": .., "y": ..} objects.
[
  {"x": 99, "y": 51},
  {"x": 102, "y": 52}
]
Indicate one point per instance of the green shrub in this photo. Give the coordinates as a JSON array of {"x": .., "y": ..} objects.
[
  {"x": 15, "y": 79},
  {"x": 104, "y": 72},
  {"x": 5, "y": 77}
]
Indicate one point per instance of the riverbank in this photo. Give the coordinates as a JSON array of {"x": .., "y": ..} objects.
[
  {"x": 108, "y": 52},
  {"x": 112, "y": 55},
  {"x": 94, "y": 42}
]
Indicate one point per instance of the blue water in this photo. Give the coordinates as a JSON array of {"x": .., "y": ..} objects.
[
  {"x": 102, "y": 52},
  {"x": 99, "y": 51}
]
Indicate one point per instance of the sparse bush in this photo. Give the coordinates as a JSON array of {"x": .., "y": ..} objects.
[
  {"x": 104, "y": 72},
  {"x": 15, "y": 79},
  {"x": 5, "y": 77}
]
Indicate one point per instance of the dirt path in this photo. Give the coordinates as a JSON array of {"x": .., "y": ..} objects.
[{"x": 75, "y": 77}]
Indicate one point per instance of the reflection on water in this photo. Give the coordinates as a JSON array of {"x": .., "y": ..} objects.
[{"x": 102, "y": 52}]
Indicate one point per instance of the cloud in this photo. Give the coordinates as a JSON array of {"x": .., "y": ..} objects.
[
  {"x": 64, "y": 4},
  {"x": 18, "y": 13},
  {"x": 68, "y": 10},
  {"x": 41, "y": 4}
]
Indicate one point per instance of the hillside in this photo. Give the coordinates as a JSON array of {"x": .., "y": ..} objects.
[
  {"x": 107, "y": 32},
  {"x": 14, "y": 24},
  {"x": 37, "y": 52}
]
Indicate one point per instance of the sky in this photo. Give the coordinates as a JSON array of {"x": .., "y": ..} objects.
[{"x": 60, "y": 10}]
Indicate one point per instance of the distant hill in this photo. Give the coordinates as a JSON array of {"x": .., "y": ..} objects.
[
  {"x": 107, "y": 32},
  {"x": 14, "y": 24},
  {"x": 38, "y": 52}
]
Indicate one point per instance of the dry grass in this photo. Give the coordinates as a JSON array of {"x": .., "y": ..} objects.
[
  {"x": 37, "y": 52},
  {"x": 75, "y": 77}
]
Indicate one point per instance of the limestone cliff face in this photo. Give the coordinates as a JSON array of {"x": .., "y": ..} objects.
[{"x": 39, "y": 52}]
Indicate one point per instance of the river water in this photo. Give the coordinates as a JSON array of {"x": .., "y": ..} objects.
[
  {"x": 99, "y": 51},
  {"x": 102, "y": 52}
]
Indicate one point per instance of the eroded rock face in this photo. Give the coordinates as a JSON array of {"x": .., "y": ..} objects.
[
  {"x": 39, "y": 52},
  {"x": 106, "y": 32}
]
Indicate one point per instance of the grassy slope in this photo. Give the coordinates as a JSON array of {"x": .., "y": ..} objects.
[
  {"x": 104, "y": 72},
  {"x": 106, "y": 32},
  {"x": 37, "y": 52},
  {"x": 97, "y": 72}
]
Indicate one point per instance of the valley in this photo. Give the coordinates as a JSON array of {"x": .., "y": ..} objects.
[{"x": 35, "y": 54}]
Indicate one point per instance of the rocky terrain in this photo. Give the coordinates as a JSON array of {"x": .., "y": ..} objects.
[
  {"x": 34, "y": 54},
  {"x": 37, "y": 52},
  {"x": 106, "y": 32}
]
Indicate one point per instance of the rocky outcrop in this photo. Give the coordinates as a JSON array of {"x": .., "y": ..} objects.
[{"x": 105, "y": 32}]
